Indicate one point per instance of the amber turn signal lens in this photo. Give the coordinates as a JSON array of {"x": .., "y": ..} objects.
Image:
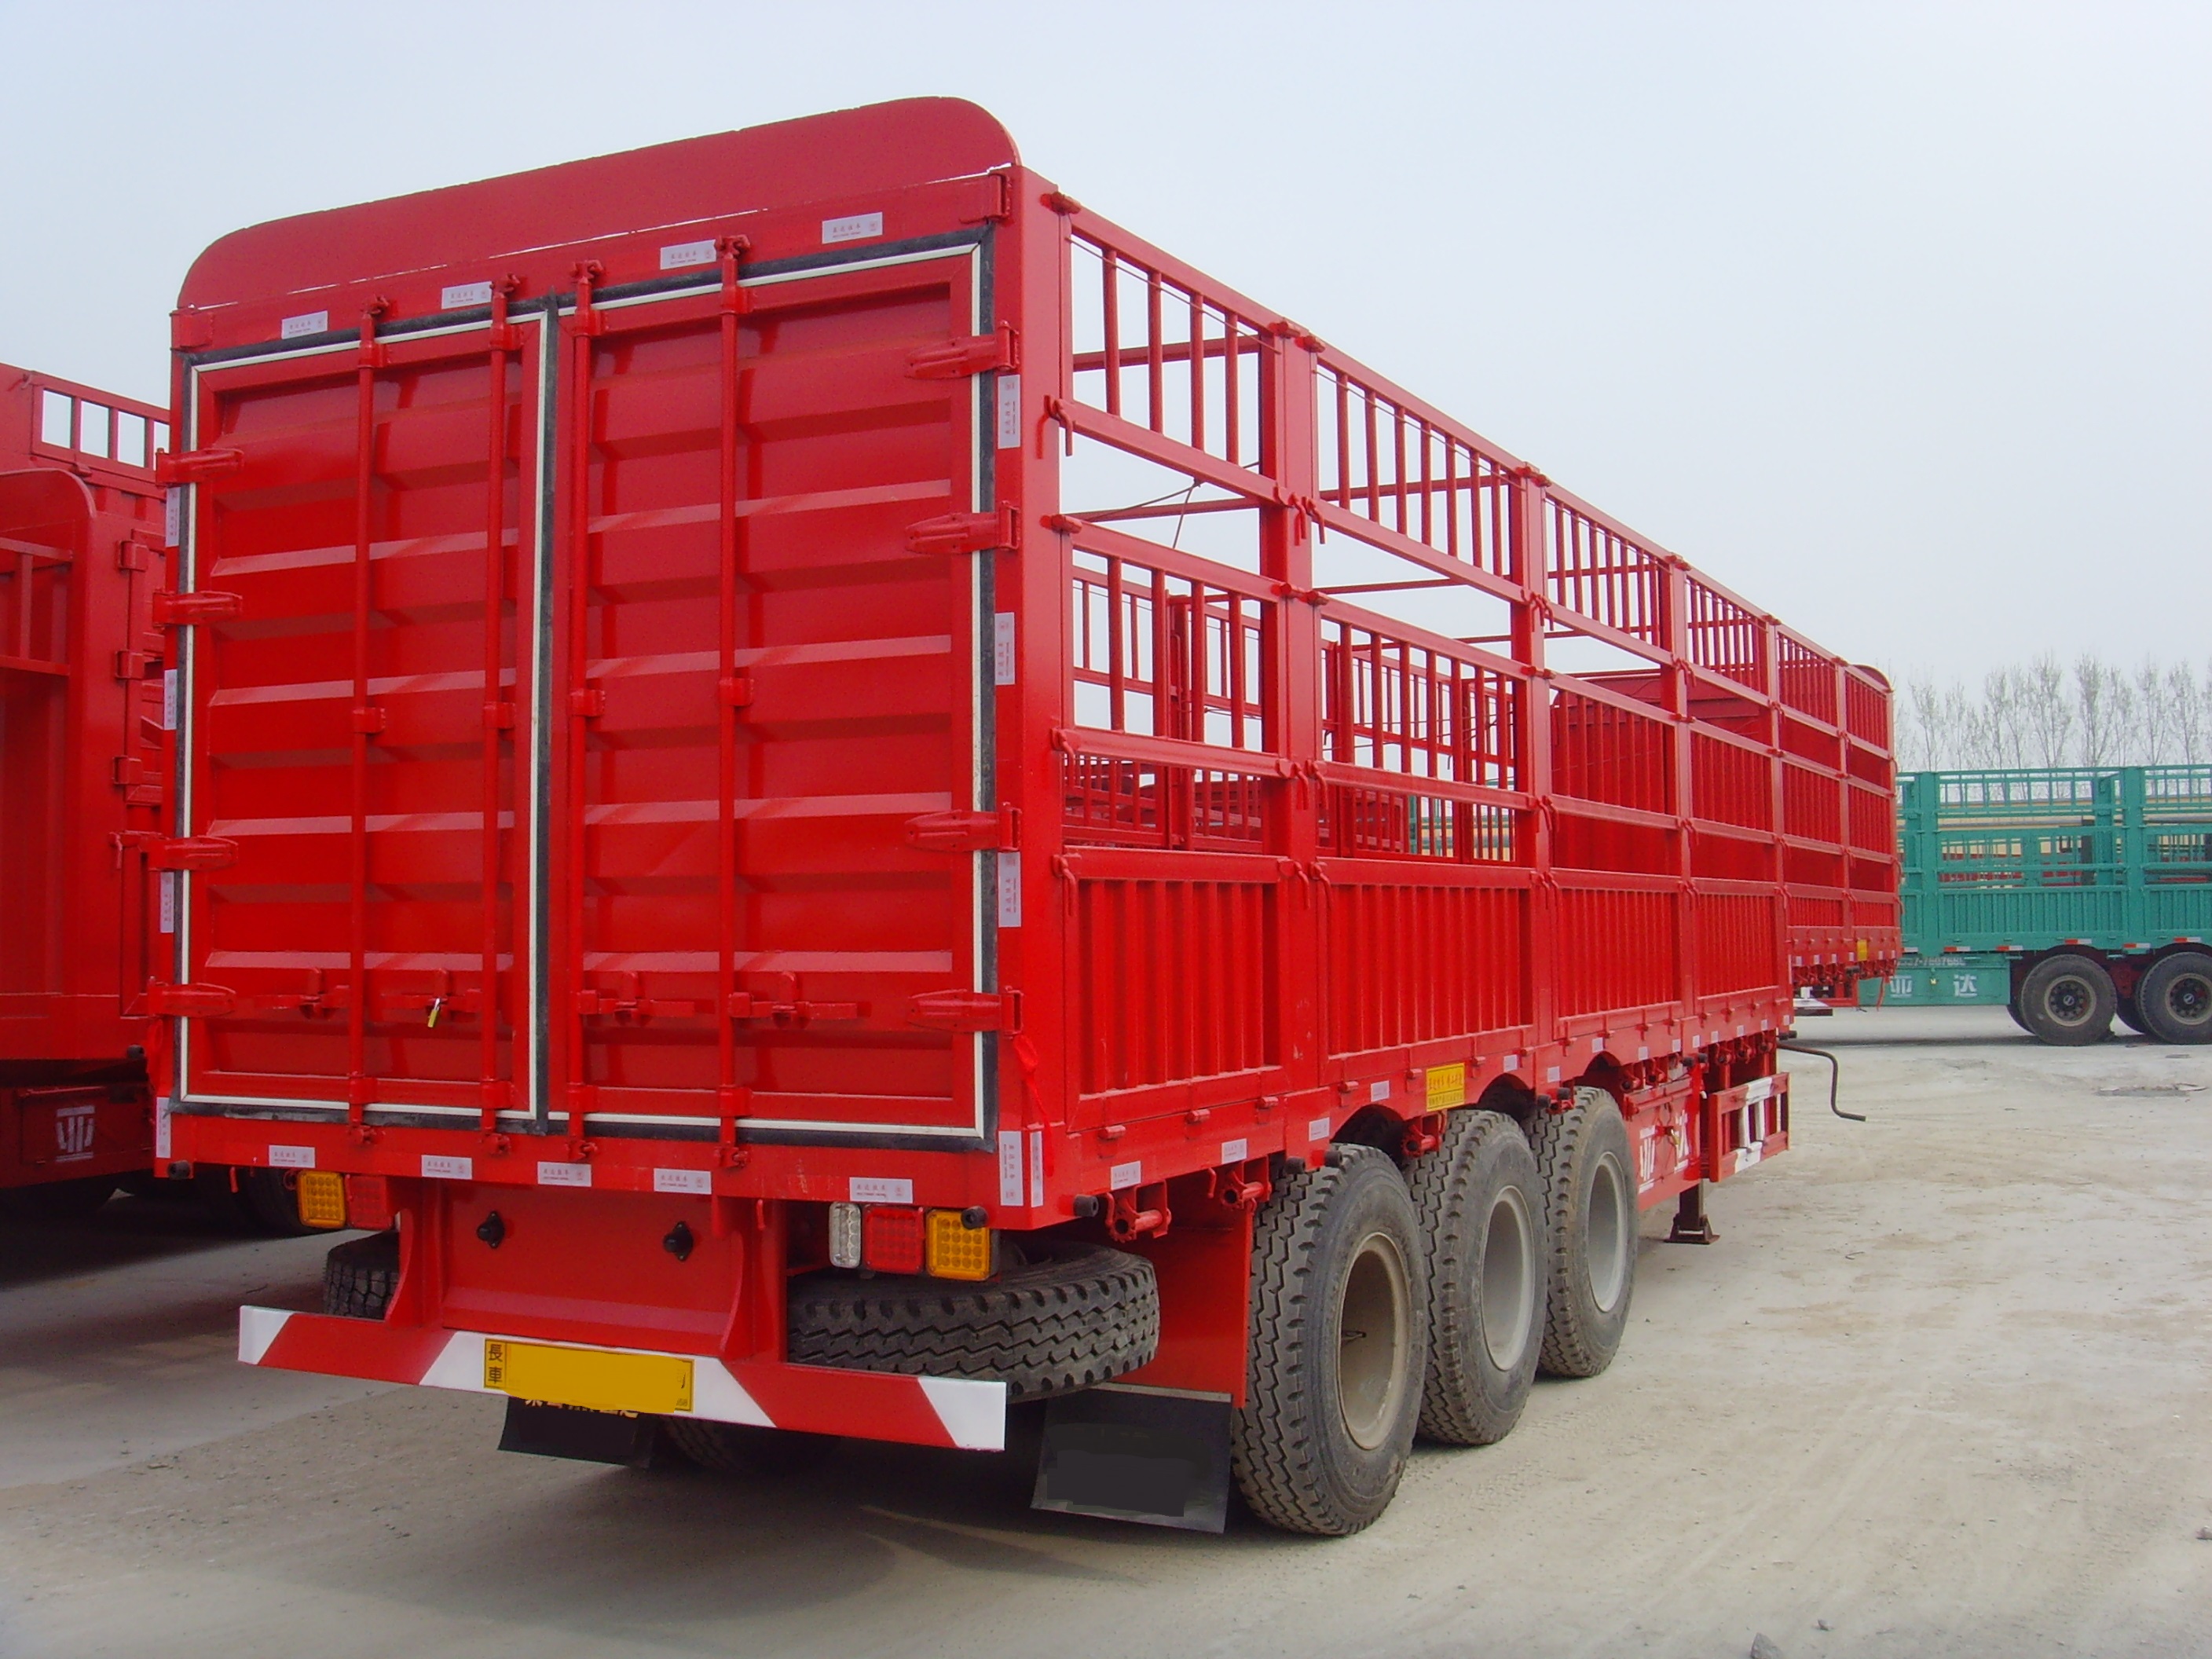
[
  {"x": 956, "y": 1249},
  {"x": 322, "y": 1198}
]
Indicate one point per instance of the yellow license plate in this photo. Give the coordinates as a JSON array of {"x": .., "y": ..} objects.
[{"x": 653, "y": 1383}]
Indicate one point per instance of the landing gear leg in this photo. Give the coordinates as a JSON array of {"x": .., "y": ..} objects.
[{"x": 1691, "y": 1225}]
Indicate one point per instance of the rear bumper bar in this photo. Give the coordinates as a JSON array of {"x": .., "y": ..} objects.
[{"x": 960, "y": 1412}]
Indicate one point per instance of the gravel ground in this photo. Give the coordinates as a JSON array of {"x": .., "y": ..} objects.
[{"x": 1940, "y": 1388}]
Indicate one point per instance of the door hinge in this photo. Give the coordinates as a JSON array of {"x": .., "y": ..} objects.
[
  {"x": 190, "y": 609},
  {"x": 587, "y": 703},
  {"x": 966, "y": 832},
  {"x": 192, "y": 852},
  {"x": 189, "y": 1000},
  {"x": 967, "y": 1010},
  {"x": 979, "y": 354},
  {"x": 196, "y": 465},
  {"x": 968, "y": 532},
  {"x": 993, "y": 199}
]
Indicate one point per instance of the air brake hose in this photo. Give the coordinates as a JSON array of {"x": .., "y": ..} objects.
[{"x": 1835, "y": 1077}]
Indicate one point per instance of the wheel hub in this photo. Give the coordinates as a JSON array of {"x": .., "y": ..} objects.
[{"x": 1371, "y": 1333}]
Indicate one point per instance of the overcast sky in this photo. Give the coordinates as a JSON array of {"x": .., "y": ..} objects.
[{"x": 1894, "y": 317}]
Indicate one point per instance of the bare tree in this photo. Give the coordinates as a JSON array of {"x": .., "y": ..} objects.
[
  {"x": 2004, "y": 717},
  {"x": 2050, "y": 718},
  {"x": 2192, "y": 712},
  {"x": 2154, "y": 715}
]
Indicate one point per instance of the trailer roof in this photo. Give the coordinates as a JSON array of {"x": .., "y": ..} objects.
[{"x": 881, "y": 147}]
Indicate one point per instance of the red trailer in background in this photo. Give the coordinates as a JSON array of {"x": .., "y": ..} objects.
[
  {"x": 85, "y": 860},
  {"x": 80, "y": 785},
  {"x": 836, "y": 792}
]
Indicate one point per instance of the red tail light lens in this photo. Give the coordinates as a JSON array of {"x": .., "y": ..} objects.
[{"x": 891, "y": 1239}]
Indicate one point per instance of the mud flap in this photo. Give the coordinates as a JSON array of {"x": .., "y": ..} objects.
[
  {"x": 1158, "y": 1456},
  {"x": 588, "y": 1437}
]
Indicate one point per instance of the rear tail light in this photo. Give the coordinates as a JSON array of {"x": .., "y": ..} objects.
[
  {"x": 322, "y": 1198},
  {"x": 844, "y": 1235},
  {"x": 368, "y": 1202},
  {"x": 956, "y": 1249},
  {"x": 891, "y": 1239}
]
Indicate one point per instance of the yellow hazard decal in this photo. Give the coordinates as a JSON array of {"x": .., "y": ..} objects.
[{"x": 1447, "y": 1087}]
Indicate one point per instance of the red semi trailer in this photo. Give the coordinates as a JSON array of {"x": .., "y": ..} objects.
[
  {"x": 81, "y": 787},
  {"x": 834, "y": 793},
  {"x": 85, "y": 904}
]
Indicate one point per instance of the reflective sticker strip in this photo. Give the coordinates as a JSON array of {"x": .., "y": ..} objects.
[
  {"x": 966, "y": 1413},
  {"x": 435, "y": 1168},
  {"x": 879, "y": 1189},
  {"x": 307, "y": 322},
  {"x": 853, "y": 227},
  {"x": 564, "y": 1175},
  {"x": 1009, "y": 1167},
  {"x": 699, "y": 1182},
  {"x": 1125, "y": 1175},
  {"x": 291, "y": 1157}
]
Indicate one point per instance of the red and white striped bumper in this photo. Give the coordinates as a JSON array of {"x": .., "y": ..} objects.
[{"x": 927, "y": 1411}]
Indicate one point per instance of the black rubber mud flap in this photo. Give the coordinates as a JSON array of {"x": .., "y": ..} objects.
[
  {"x": 588, "y": 1437},
  {"x": 1157, "y": 1456}
]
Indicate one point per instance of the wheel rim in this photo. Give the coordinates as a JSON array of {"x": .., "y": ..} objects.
[
  {"x": 2070, "y": 1000},
  {"x": 1371, "y": 1331},
  {"x": 2189, "y": 999},
  {"x": 1608, "y": 1236},
  {"x": 1509, "y": 1279}
]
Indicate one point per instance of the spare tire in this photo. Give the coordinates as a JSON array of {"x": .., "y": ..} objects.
[
  {"x": 1071, "y": 1316},
  {"x": 360, "y": 1275}
]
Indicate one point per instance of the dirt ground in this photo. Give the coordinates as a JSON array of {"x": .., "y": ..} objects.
[{"x": 1940, "y": 1388}]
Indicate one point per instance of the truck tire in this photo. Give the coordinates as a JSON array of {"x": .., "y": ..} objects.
[
  {"x": 269, "y": 1205},
  {"x": 2175, "y": 997},
  {"x": 1589, "y": 1180},
  {"x": 741, "y": 1449},
  {"x": 1481, "y": 1206},
  {"x": 360, "y": 1275},
  {"x": 1071, "y": 1315},
  {"x": 249, "y": 1201},
  {"x": 1338, "y": 1339},
  {"x": 2067, "y": 1000},
  {"x": 59, "y": 1200},
  {"x": 2123, "y": 1004}
]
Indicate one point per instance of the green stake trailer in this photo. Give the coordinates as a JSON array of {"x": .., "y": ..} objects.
[{"x": 2067, "y": 894}]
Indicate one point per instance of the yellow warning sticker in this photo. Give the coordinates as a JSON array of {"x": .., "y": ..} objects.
[
  {"x": 591, "y": 1377},
  {"x": 1447, "y": 1087}
]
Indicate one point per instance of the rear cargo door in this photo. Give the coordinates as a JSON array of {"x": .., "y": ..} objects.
[
  {"x": 356, "y": 710},
  {"x": 768, "y": 675}
]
